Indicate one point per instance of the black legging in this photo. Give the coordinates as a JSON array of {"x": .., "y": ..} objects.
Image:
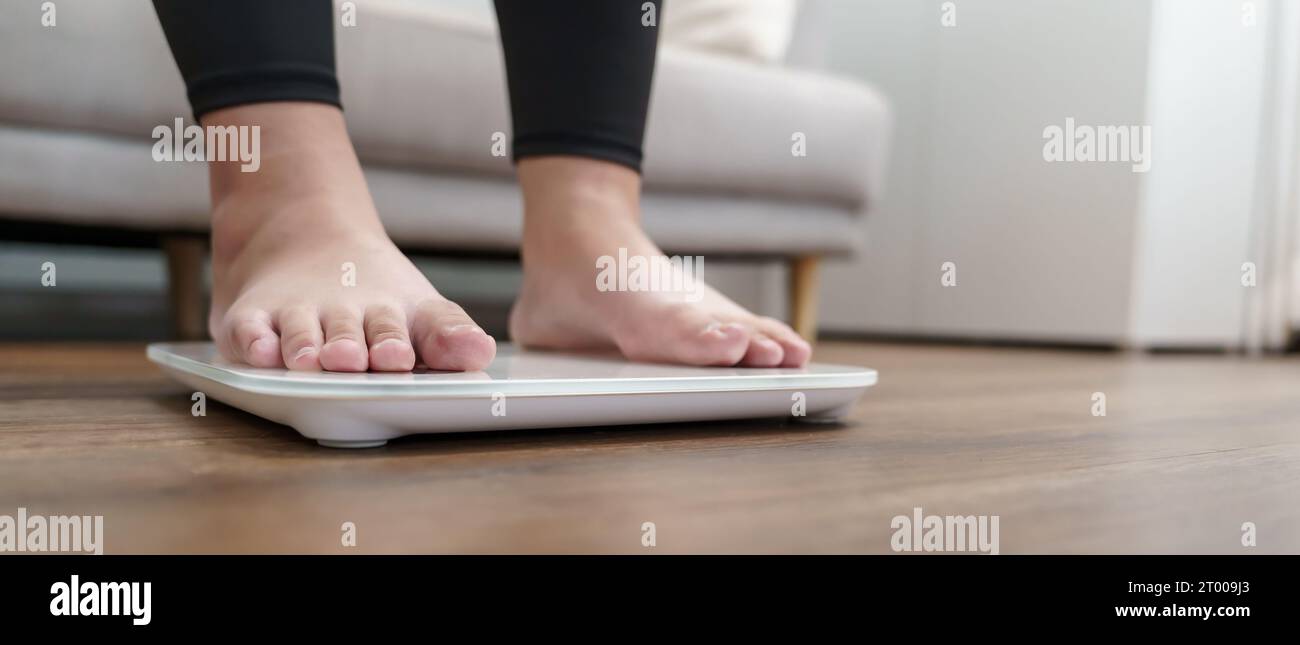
[{"x": 578, "y": 71}]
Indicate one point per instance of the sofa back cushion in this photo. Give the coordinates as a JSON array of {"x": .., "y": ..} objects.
[{"x": 757, "y": 30}]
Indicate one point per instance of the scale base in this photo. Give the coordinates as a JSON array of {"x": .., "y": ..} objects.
[{"x": 520, "y": 390}]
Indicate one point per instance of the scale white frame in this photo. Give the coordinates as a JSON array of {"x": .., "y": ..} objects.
[{"x": 519, "y": 390}]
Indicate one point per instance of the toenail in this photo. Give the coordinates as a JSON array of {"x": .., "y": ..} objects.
[
  {"x": 306, "y": 351},
  {"x": 713, "y": 326}
]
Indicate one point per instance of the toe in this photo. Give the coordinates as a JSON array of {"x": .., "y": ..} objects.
[
  {"x": 716, "y": 343},
  {"x": 690, "y": 336},
  {"x": 797, "y": 350},
  {"x": 249, "y": 338},
  {"x": 762, "y": 352},
  {"x": 345, "y": 341},
  {"x": 386, "y": 336},
  {"x": 448, "y": 339},
  {"x": 300, "y": 338}
]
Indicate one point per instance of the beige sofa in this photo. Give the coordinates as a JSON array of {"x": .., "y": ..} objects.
[{"x": 424, "y": 95}]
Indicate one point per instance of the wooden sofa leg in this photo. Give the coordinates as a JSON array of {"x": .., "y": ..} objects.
[
  {"x": 185, "y": 256},
  {"x": 803, "y": 296}
]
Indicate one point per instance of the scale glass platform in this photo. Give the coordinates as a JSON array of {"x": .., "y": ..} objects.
[{"x": 521, "y": 389}]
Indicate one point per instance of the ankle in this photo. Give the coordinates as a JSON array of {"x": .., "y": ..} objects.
[
  {"x": 308, "y": 183},
  {"x": 300, "y": 145},
  {"x": 571, "y": 201}
]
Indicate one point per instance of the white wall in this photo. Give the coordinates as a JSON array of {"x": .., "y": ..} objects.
[
  {"x": 1043, "y": 251},
  {"x": 892, "y": 45}
]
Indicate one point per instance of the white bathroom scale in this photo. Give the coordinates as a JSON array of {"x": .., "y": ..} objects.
[{"x": 521, "y": 389}]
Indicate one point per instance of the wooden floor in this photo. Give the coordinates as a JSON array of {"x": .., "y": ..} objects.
[{"x": 1190, "y": 448}]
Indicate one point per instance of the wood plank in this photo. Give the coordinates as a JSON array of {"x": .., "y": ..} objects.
[{"x": 1191, "y": 447}]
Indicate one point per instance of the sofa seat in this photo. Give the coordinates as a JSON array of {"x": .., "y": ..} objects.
[{"x": 102, "y": 180}]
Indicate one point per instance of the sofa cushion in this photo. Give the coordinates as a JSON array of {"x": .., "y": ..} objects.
[
  {"x": 424, "y": 89},
  {"x": 752, "y": 29}
]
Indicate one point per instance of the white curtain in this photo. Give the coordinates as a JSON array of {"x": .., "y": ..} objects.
[{"x": 1273, "y": 307}]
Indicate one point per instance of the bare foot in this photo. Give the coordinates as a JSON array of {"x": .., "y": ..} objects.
[
  {"x": 304, "y": 275},
  {"x": 577, "y": 210}
]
